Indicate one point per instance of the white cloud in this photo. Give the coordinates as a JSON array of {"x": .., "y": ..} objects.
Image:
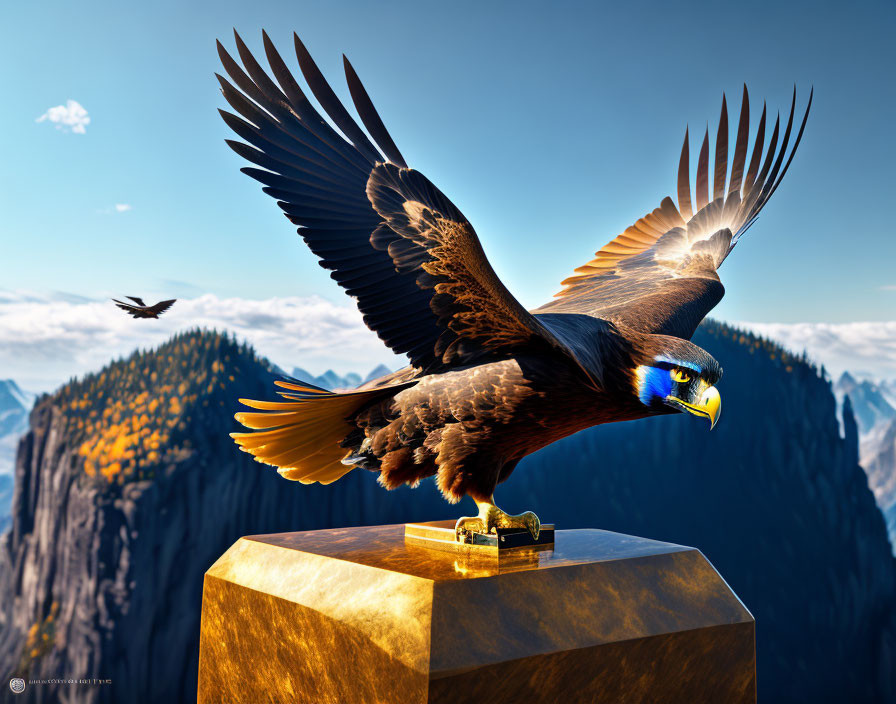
[
  {"x": 46, "y": 340},
  {"x": 117, "y": 208},
  {"x": 888, "y": 287},
  {"x": 71, "y": 117},
  {"x": 864, "y": 347}
]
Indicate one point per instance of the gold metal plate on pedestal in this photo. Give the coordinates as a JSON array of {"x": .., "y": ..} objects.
[
  {"x": 360, "y": 615},
  {"x": 440, "y": 535}
]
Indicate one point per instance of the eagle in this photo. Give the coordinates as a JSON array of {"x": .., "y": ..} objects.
[
  {"x": 141, "y": 310},
  {"x": 489, "y": 382}
]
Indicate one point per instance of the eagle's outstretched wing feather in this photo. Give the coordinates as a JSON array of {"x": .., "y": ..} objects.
[
  {"x": 136, "y": 299},
  {"x": 425, "y": 234},
  {"x": 391, "y": 239},
  {"x": 659, "y": 275},
  {"x": 161, "y": 306},
  {"x": 142, "y": 310},
  {"x": 133, "y": 311}
]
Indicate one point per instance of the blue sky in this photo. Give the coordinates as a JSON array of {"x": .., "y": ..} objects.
[{"x": 552, "y": 126}]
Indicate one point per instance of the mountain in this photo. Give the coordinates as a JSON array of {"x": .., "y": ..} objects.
[
  {"x": 6, "y": 487},
  {"x": 869, "y": 401},
  {"x": 890, "y": 517},
  {"x": 876, "y": 415},
  {"x": 878, "y": 458},
  {"x": 378, "y": 371},
  {"x": 888, "y": 389},
  {"x": 331, "y": 380},
  {"x": 12, "y": 402},
  {"x": 128, "y": 489},
  {"x": 14, "y": 407}
]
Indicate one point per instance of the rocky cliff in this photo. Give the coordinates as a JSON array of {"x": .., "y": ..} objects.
[
  {"x": 101, "y": 573},
  {"x": 127, "y": 489}
]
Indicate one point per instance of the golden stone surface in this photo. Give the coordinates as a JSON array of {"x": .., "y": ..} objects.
[{"x": 358, "y": 615}]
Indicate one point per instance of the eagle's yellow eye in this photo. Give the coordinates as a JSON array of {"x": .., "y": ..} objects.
[{"x": 680, "y": 376}]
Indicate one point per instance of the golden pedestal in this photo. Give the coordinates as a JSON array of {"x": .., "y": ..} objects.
[{"x": 359, "y": 615}]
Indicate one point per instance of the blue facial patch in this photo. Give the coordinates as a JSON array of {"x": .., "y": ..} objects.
[{"x": 654, "y": 383}]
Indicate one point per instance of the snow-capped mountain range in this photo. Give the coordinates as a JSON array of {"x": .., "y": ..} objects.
[
  {"x": 15, "y": 404},
  {"x": 874, "y": 407},
  {"x": 331, "y": 380}
]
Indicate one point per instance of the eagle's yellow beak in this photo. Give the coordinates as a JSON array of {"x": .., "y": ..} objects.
[{"x": 709, "y": 405}]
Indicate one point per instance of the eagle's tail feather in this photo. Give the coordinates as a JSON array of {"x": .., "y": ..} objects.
[{"x": 302, "y": 437}]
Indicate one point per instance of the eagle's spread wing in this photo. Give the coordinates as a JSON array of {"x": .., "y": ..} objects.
[
  {"x": 392, "y": 240},
  {"x": 659, "y": 276},
  {"x": 137, "y": 300},
  {"x": 428, "y": 237},
  {"x": 133, "y": 311},
  {"x": 161, "y": 306}
]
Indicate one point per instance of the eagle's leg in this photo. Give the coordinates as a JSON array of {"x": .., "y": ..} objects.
[{"x": 491, "y": 517}]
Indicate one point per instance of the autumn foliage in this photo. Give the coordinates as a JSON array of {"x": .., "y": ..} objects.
[{"x": 146, "y": 411}]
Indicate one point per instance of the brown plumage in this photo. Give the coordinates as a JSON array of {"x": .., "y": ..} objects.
[
  {"x": 489, "y": 381},
  {"x": 141, "y": 310}
]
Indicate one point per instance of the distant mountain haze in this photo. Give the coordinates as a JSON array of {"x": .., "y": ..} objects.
[
  {"x": 377, "y": 372},
  {"x": 878, "y": 458},
  {"x": 330, "y": 380},
  {"x": 15, "y": 405},
  {"x": 874, "y": 406},
  {"x": 6, "y": 489},
  {"x": 890, "y": 517},
  {"x": 870, "y": 401}
]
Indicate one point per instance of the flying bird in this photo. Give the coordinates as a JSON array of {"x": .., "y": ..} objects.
[
  {"x": 141, "y": 310},
  {"x": 489, "y": 382}
]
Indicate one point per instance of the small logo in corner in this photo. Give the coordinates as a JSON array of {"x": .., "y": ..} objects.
[{"x": 17, "y": 685}]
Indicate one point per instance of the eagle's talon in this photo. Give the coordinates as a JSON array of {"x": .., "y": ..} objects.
[
  {"x": 491, "y": 518},
  {"x": 532, "y": 523},
  {"x": 466, "y": 526}
]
